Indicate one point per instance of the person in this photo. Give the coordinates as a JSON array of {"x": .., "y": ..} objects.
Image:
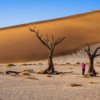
[{"x": 83, "y": 68}]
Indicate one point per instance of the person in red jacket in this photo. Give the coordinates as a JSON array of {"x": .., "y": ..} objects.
[{"x": 83, "y": 68}]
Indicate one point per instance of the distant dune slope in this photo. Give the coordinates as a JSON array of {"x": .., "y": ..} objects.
[{"x": 19, "y": 44}]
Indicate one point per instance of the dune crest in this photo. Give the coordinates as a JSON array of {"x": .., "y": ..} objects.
[{"x": 19, "y": 44}]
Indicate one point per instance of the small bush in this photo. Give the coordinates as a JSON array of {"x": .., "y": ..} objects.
[
  {"x": 24, "y": 73},
  {"x": 77, "y": 63},
  {"x": 34, "y": 64},
  {"x": 40, "y": 64},
  {"x": 48, "y": 75},
  {"x": 10, "y": 64},
  {"x": 74, "y": 84},
  {"x": 29, "y": 70},
  {"x": 31, "y": 77},
  {"x": 55, "y": 63},
  {"x": 84, "y": 76},
  {"x": 97, "y": 62},
  {"x": 67, "y": 63},
  {"x": 92, "y": 82},
  {"x": 39, "y": 72},
  {"x": 60, "y": 74},
  {"x": 24, "y": 64},
  {"x": 29, "y": 64},
  {"x": 1, "y": 72}
]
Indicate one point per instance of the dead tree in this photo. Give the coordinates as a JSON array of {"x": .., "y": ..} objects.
[
  {"x": 50, "y": 46},
  {"x": 91, "y": 70}
]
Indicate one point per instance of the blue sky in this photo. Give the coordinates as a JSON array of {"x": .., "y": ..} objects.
[{"x": 14, "y": 12}]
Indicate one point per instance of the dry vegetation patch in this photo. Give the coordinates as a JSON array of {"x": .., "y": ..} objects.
[
  {"x": 40, "y": 64},
  {"x": 28, "y": 70},
  {"x": 1, "y": 72},
  {"x": 74, "y": 85},
  {"x": 92, "y": 82},
  {"x": 77, "y": 62},
  {"x": 24, "y": 64},
  {"x": 84, "y": 76},
  {"x": 48, "y": 75},
  {"x": 10, "y": 64},
  {"x": 67, "y": 63},
  {"x": 31, "y": 77},
  {"x": 24, "y": 73},
  {"x": 39, "y": 72}
]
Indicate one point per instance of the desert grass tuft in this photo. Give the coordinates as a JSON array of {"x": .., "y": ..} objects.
[
  {"x": 31, "y": 77},
  {"x": 74, "y": 85},
  {"x": 39, "y": 72},
  {"x": 1, "y": 72},
  {"x": 29, "y": 64},
  {"x": 67, "y": 63},
  {"x": 28, "y": 70},
  {"x": 24, "y": 64},
  {"x": 77, "y": 62},
  {"x": 40, "y": 64},
  {"x": 24, "y": 73},
  {"x": 55, "y": 63},
  {"x": 97, "y": 62},
  {"x": 84, "y": 76},
  {"x": 10, "y": 64},
  {"x": 92, "y": 82},
  {"x": 60, "y": 74},
  {"x": 48, "y": 75}
]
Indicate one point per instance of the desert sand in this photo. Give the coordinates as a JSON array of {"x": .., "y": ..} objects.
[{"x": 19, "y": 44}]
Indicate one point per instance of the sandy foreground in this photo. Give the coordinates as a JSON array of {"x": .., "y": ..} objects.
[{"x": 49, "y": 88}]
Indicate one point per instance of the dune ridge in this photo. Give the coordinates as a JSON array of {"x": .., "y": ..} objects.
[
  {"x": 51, "y": 20},
  {"x": 19, "y": 44}
]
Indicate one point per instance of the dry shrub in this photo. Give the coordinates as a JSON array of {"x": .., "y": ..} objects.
[
  {"x": 74, "y": 84},
  {"x": 55, "y": 63},
  {"x": 24, "y": 73},
  {"x": 24, "y": 64},
  {"x": 1, "y": 72},
  {"x": 29, "y": 64},
  {"x": 48, "y": 75},
  {"x": 92, "y": 82},
  {"x": 13, "y": 74},
  {"x": 84, "y": 76},
  {"x": 67, "y": 63},
  {"x": 34, "y": 64},
  {"x": 60, "y": 74},
  {"x": 39, "y": 72},
  {"x": 28, "y": 70},
  {"x": 40, "y": 64},
  {"x": 31, "y": 77},
  {"x": 77, "y": 62},
  {"x": 10, "y": 64}
]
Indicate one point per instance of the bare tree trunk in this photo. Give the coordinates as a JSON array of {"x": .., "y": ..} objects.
[
  {"x": 91, "y": 70},
  {"x": 50, "y": 68},
  {"x": 50, "y": 47}
]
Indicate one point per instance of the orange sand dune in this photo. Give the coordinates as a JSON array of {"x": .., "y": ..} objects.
[{"x": 19, "y": 44}]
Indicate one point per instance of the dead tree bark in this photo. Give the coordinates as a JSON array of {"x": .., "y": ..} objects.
[
  {"x": 50, "y": 47},
  {"x": 91, "y": 70}
]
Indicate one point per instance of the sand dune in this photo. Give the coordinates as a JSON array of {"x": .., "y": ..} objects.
[{"x": 19, "y": 44}]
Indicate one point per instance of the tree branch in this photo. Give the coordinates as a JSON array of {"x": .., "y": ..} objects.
[
  {"x": 58, "y": 41},
  {"x": 39, "y": 37},
  {"x": 97, "y": 55},
  {"x": 96, "y": 51}
]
